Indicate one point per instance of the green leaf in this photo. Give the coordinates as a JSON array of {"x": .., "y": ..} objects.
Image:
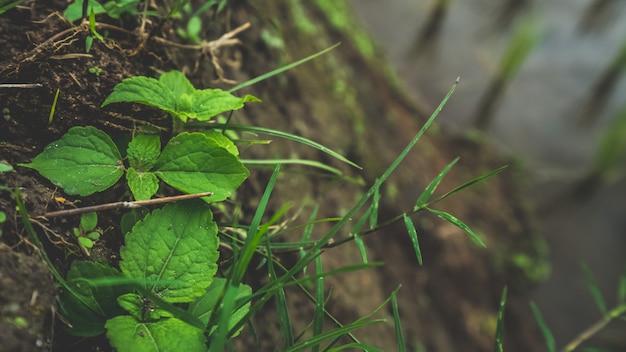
[
  {"x": 141, "y": 308},
  {"x": 143, "y": 151},
  {"x": 143, "y": 185},
  {"x": 221, "y": 140},
  {"x": 5, "y": 167},
  {"x": 413, "y": 236},
  {"x": 85, "y": 242},
  {"x": 194, "y": 163},
  {"x": 397, "y": 323},
  {"x": 173, "y": 251},
  {"x": 458, "y": 223},
  {"x": 472, "y": 182},
  {"x": 75, "y": 10},
  {"x": 89, "y": 221},
  {"x": 125, "y": 333},
  {"x": 88, "y": 313},
  {"x": 547, "y": 334},
  {"x": 595, "y": 290},
  {"x": 84, "y": 161},
  {"x": 173, "y": 93},
  {"x": 499, "y": 341},
  {"x": 430, "y": 189},
  {"x": 204, "y": 306}
]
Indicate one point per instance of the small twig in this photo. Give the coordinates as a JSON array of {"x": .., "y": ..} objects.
[
  {"x": 213, "y": 47},
  {"x": 21, "y": 85},
  {"x": 135, "y": 204}
]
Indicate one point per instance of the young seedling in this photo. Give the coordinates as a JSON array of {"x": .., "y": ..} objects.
[{"x": 86, "y": 233}]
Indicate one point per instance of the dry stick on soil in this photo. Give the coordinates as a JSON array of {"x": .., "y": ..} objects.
[
  {"x": 21, "y": 85},
  {"x": 213, "y": 47},
  {"x": 135, "y": 204}
]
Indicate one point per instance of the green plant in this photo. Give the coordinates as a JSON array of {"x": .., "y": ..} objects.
[
  {"x": 86, "y": 233},
  {"x": 174, "y": 94},
  {"x": 169, "y": 259},
  {"x": 112, "y": 8},
  {"x": 193, "y": 28},
  {"x": 6, "y": 5},
  {"x": 96, "y": 70},
  {"x": 608, "y": 315},
  {"x": 3, "y": 216}
]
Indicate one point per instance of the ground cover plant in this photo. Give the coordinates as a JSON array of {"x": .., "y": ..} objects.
[{"x": 166, "y": 286}]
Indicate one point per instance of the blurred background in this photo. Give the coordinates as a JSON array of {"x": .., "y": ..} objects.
[{"x": 544, "y": 82}]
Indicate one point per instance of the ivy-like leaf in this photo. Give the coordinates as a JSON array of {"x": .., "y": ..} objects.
[
  {"x": 173, "y": 93},
  {"x": 126, "y": 334},
  {"x": 84, "y": 161},
  {"x": 203, "y": 307},
  {"x": 173, "y": 251},
  {"x": 143, "y": 151},
  {"x": 89, "y": 312},
  {"x": 194, "y": 163},
  {"x": 143, "y": 185}
]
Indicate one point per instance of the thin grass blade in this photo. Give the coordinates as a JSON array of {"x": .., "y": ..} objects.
[
  {"x": 423, "y": 199},
  {"x": 342, "y": 331},
  {"x": 499, "y": 343},
  {"x": 595, "y": 290},
  {"x": 621, "y": 291},
  {"x": 472, "y": 182},
  {"x": 285, "y": 135},
  {"x": 281, "y": 69},
  {"x": 358, "y": 240},
  {"x": 413, "y": 236},
  {"x": 374, "y": 208},
  {"x": 227, "y": 304},
  {"x": 281, "y": 302},
  {"x": 318, "y": 314},
  {"x": 547, "y": 334},
  {"x": 397, "y": 323},
  {"x": 312, "y": 163},
  {"x": 308, "y": 230},
  {"x": 353, "y": 346},
  {"x": 458, "y": 223}
]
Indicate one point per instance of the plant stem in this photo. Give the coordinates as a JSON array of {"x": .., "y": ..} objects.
[{"x": 593, "y": 329}]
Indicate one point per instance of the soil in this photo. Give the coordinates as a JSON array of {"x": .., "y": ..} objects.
[{"x": 345, "y": 100}]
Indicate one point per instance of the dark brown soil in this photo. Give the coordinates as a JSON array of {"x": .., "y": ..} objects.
[{"x": 448, "y": 304}]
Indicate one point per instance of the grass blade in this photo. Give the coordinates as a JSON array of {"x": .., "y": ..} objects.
[
  {"x": 430, "y": 189},
  {"x": 311, "y": 163},
  {"x": 318, "y": 314},
  {"x": 397, "y": 323},
  {"x": 472, "y": 182},
  {"x": 281, "y": 301},
  {"x": 413, "y": 236},
  {"x": 219, "y": 338},
  {"x": 333, "y": 333},
  {"x": 547, "y": 334},
  {"x": 499, "y": 343},
  {"x": 354, "y": 345},
  {"x": 358, "y": 240},
  {"x": 374, "y": 209},
  {"x": 54, "y": 106},
  {"x": 595, "y": 291},
  {"x": 281, "y": 134},
  {"x": 621, "y": 291},
  {"x": 281, "y": 69},
  {"x": 458, "y": 223},
  {"x": 308, "y": 230}
]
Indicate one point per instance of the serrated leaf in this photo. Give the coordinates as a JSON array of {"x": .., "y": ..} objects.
[
  {"x": 84, "y": 161},
  {"x": 89, "y": 221},
  {"x": 141, "y": 308},
  {"x": 432, "y": 186},
  {"x": 126, "y": 334},
  {"x": 88, "y": 313},
  {"x": 203, "y": 307},
  {"x": 194, "y": 163},
  {"x": 458, "y": 223},
  {"x": 143, "y": 151},
  {"x": 143, "y": 185},
  {"x": 174, "y": 251},
  {"x": 223, "y": 141},
  {"x": 173, "y": 93}
]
